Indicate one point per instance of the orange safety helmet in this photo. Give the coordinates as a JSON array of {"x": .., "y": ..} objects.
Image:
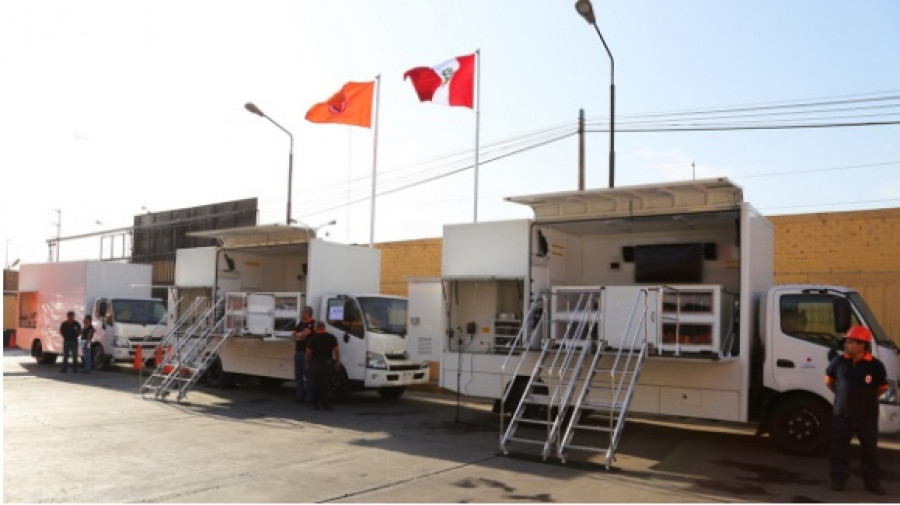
[{"x": 860, "y": 333}]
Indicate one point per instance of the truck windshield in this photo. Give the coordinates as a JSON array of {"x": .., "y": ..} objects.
[
  {"x": 384, "y": 315},
  {"x": 138, "y": 311},
  {"x": 867, "y": 314}
]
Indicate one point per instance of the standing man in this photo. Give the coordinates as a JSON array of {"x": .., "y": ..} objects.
[
  {"x": 323, "y": 359},
  {"x": 300, "y": 336},
  {"x": 70, "y": 330},
  {"x": 857, "y": 379},
  {"x": 87, "y": 337}
]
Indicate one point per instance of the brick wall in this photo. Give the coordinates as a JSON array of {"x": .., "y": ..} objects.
[
  {"x": 412, "y": 258},
  {"x": 857, "y": 249}
]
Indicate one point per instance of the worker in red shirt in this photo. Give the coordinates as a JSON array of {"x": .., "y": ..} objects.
[{"x": 857, "y": 380}]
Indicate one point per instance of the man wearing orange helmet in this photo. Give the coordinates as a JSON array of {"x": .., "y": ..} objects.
[{"x": 857, "y": 380}]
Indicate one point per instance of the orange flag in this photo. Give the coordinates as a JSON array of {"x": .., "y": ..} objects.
[{"x": 352, "y": 105}]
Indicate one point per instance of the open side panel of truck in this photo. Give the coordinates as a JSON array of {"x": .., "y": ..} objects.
[{"x": 336, "y": 268}]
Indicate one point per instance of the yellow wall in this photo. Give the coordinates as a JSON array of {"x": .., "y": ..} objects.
[{"x": 857, "y": 249}]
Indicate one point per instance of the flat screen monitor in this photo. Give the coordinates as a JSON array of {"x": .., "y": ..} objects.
[{"x": 668, "y": 263}]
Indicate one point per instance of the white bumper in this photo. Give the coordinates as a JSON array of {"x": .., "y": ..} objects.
[
  {"x": 888, "y": 418},
  {"x": 397, "y": 378}
]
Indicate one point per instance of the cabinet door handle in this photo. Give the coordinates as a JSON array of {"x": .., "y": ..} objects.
[{"x": 784, "y": 363}]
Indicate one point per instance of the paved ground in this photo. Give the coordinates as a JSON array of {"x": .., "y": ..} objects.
[{"x": 90, "y": 438}]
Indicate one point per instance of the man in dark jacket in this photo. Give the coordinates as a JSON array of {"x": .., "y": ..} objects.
[
  {"x": 323, "y": 359},
  {"x": 857, "y": 379},
  {"x": 70, "y": 329},
  {"x": 300, "y": 336}
]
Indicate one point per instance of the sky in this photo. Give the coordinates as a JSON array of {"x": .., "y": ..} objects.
[{"x": 112, "y": 108}]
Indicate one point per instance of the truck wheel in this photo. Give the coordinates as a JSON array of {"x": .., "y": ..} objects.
[
  {"x": 340, "y": 386},
  {"x": 99, "y": 359},
  {"x": 44, "y": 358},
  {"x": 801, "y": 426},
  {"x": 391, "y": 393},
  {"x": 216, "y": 376}
]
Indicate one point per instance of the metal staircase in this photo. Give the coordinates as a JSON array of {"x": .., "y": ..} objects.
[
  {"x": 186, "y": 351},
  {"x": 605, "y": 392},
  {"x": 544, "y": 400},
  {"x": 576, "y": 377}
]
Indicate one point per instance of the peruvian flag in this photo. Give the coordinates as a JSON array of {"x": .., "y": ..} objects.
[{"x": 449, "y": 83}]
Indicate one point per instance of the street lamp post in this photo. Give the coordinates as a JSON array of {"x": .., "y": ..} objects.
[
  {"x": 254, "y": 109},
  {"x": 587, "y": 12}
]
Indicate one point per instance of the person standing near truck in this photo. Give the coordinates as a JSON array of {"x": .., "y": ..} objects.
[
  {"x": 857, "y": 380},
  {"x": 87, "y": 337},
  {"x": 70, "y": 330},
  {"x": 323, "y": 358},
  {"x": 300, "y": 336}
]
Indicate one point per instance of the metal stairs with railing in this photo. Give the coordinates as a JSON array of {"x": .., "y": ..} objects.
[
  {"x": 186, "y": 351},
  {"x": 544, "y": 400},
  {"x": 607, "y": 388},
  {"x": 576, "y": 377}
]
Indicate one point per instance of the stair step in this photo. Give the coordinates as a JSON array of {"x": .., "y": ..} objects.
[
  {"x": 592, "y": 427},
  {"x": 601, "y": 404},
  {"x": 533, "y": 441},
  {"x": 586, "y": 448},
  {"x": 532, "y": 421}
]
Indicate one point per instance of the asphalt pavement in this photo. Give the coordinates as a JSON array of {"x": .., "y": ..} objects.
[{"x": 93, "y": 439}]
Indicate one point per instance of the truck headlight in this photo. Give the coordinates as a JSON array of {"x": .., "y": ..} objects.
[
  {"x": 890, "y": 396},
  {"x": 376, "y": 361},
  {"x": 121, "y": 342}
]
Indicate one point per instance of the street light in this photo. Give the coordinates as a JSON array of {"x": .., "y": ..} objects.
[
  {"x": 587, "y": 12},
  {"x": 254, "y": 109}
]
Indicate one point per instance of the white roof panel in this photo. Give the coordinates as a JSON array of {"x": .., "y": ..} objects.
[{"x": 630, "y": 201}]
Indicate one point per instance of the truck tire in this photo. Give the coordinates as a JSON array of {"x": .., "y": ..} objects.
[
  {"x": 43, "y": 358},
  {"x": 340, "y": 386},
  {"x": 216, "y": 376},
  {"x": 99, "y": 359},
  {"x": 391, "y": 393},
  {"x": 801, "y": 426}
]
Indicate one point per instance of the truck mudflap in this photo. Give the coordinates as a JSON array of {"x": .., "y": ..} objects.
[{"x": 406, "y": 374}]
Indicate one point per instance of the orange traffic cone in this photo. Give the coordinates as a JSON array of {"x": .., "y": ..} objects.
[
  {"x": 12, "y": 339},
  {"x": 138, "y": 361},
  {"x": 158, "y": 359}
]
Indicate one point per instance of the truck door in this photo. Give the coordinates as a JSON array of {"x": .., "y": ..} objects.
[
  {"x": 344, "y": 319},
  {"x": 805, "y": 329}
]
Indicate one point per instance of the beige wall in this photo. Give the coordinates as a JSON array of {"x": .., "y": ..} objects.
[{"x": 857, "y": 249}]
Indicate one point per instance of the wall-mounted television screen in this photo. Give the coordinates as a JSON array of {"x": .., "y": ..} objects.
[{"x": 668, "y": 263}]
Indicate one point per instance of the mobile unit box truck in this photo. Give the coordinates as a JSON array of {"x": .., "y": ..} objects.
[
  {"x": 676, "y": 279},
  {"x": 267, "y": 274},
  {"x": 117, "y": 295}
]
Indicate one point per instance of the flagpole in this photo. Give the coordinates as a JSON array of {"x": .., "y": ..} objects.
[
  {"x": 374, "y": 160},
  {"x": 477, "y": 121}
]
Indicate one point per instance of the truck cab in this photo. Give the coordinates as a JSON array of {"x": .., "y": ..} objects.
[
  {"x": 371, "y": 330},
  {"x": 122, "y": 325},
  {"x": 804, "y": 327}
]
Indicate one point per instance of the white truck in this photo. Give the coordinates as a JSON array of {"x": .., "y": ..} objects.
[
  {"x": 671, "y": 284},
  {"x": 266, "y": 275},
  {"x": 117, "y": 295}
]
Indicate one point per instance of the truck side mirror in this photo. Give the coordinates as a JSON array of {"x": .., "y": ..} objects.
[{"x": 843, "y": 315}]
